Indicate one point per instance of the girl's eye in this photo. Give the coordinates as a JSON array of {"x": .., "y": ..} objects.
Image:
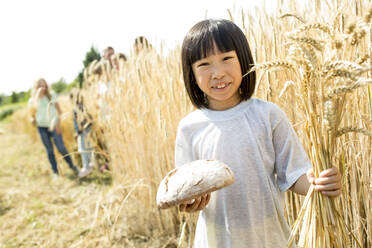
[
  {"x": 203, "y": 64},
  {"x": 227, "y": 58}
]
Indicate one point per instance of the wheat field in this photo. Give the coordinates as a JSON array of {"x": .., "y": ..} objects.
[{"x": 313, "y": 60}]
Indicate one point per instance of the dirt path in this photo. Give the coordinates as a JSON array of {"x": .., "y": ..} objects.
[{"x": 37, "y": 210}]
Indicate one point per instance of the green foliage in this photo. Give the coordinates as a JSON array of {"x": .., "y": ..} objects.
[
  {"x": 9, "y": 109},
  {"x": 59, "y": 86},
  {"x": 80, "y": 78},
  {"x": 73, "y": 84},
  {"x": 6, "y": 112},
  {"x": 27, "y": 95},
  {"x": 15, "y": 97},
  {"x": 91, "y": 55}
]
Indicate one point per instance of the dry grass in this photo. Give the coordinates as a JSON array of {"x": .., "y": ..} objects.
[
  {"x": 38, "y": 211},
  {"x": 139, "y": 131}
]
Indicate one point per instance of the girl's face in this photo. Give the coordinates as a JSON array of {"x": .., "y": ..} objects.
[
  {"x": 219, "y": 76},
  {"x": 41, "y": 87}
]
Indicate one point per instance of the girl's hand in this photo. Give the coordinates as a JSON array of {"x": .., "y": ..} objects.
[
  {"x": 195, "y": 205},
  {"x": 329, "y": 181},
  {"x": 58, "y": 128},
  {"x": 33, "y": 122}
]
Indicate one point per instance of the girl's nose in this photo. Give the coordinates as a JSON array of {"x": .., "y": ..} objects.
[{"x": 218, "y": 72}]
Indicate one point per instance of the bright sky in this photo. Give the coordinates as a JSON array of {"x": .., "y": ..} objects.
[{"x": 49, "y": 38}]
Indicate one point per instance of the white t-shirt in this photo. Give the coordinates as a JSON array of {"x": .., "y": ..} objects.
[
  {"x": 46, "y": 113},
  {"x": 103, "y": 90},
  {"x": 256, "y": 140}
]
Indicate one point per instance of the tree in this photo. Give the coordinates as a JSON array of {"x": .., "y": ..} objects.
[
  {"x": 14, "y": 97},
  {"x": 59, "y": 86},
  {"x": 92, "y": 54},
  {"x": 21, "y": 96},
  {"x": 73, "y": 84}
]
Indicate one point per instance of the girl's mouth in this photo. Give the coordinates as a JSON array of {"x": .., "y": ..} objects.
[{"x": 221, "y": 86}]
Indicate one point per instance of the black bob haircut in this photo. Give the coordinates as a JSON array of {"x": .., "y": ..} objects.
[{"x": 199, "y": 43}]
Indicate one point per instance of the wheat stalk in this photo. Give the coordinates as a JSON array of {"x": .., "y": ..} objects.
[{"x": 293, "y": 15}]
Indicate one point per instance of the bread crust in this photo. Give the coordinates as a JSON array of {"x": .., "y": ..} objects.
[{"x": 192, "y": 180}]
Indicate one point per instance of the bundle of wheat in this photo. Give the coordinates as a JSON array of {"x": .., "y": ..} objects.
[{"x": 323, "y": 80}]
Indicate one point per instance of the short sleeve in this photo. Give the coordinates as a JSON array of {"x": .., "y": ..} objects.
[
  {"x": 54, "y": 98},
  {"x": 291, "y": 160},
  {"x": 183, "y": 149},
  {"x": 31, "y": 101}
]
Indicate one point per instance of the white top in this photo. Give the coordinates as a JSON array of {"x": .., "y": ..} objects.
[
  {"x": 46, "y": 114},
  {"x": 256, "y": 140},
  {"x": 103, "y": 90}
]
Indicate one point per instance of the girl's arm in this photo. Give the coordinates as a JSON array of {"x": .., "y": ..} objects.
[
  {"x": 301, "y": 186},
  {"x": 33, "y": 119},
  {"x": 59, "y": 112},
  {"x": 328, "y": 182},
  {"x": 32, "y": 111}
]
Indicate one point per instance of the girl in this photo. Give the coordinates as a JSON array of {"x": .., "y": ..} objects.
[
  {"x": 252, "y": 136},
  {"x": 47, "y": 119},
  {"x": 82, "y": 125}
]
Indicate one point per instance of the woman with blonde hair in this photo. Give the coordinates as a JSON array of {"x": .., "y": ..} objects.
[{"x": 46, "y": 117}]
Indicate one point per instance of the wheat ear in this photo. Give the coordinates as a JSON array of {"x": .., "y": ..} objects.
[
  {"x": 317, "y": 26},
  {"x": 293, "y": 15},
  {"x": 348, "y": 88},
  {"x": 345, "y": 130},
  {"x": 272, "y": 65}
]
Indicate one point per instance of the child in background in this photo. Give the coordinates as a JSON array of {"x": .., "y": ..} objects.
[
  {"x": 107, "y": 55},
  {"x": 118, "y": 60},
  {"x": 82, "y": 124},
  {"x": 47, "y": 118},
  {"x": 101, "y": 71},
  {"x": 141, "y": 44},
  {"x": 252, "y": 136}
]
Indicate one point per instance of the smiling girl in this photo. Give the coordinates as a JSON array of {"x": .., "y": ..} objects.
[{"x": 252, "y": 136}]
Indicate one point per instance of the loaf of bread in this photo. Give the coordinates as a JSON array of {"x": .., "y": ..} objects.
[{"x": 192, "y": 180}]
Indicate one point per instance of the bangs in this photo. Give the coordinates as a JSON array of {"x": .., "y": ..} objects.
[{"x": 203, "y": 43}]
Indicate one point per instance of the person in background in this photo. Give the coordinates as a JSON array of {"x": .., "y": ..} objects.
[
  {"x": 102, "y": 70},
  {"x": 122, "y": 56},
  {"x": 47, "y": 119},
  {"x": 117, "y": 60},
  {"x": 82, "y": 125},
  {"x": 141, "y": 44},
  {"x": 107, "y": 55}
]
